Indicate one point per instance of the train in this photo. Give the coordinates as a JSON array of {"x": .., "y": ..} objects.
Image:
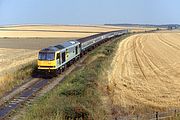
[{"x": 55, "y": 59}]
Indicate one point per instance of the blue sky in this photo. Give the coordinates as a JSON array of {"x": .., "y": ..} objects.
[{"x": 89, "y": 11}]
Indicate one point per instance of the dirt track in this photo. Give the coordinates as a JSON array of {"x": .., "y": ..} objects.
[{"x": 145, "y": 73}]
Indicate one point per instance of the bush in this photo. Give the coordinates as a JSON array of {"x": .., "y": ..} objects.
[{"x": 76, "y": 113}]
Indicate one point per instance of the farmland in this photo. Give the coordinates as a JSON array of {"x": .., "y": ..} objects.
[
  {"x": 19, "y": 46},
  {"x": 145, "y": 73},
  {"x": 65, "y": 31},
  {"x": 143, "y": 77}
]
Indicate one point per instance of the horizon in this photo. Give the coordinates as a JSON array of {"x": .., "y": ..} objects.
[
  {"x": 24, "y": 12},
  {"x": 113, "y": 24}
]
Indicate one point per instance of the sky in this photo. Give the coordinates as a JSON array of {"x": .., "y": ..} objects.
[{"x": 89, "y": 11}]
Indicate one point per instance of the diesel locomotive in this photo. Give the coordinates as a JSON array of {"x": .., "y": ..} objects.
[{"x": 54, "y": 59}]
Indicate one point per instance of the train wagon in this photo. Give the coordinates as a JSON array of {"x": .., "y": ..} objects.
[{"x": 89, "y": 42}]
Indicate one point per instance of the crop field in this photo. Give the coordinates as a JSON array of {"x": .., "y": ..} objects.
[
  {"x": 145, "y": 73},
  {"x": 53, "y": 31},
  {"x": 15, "y": 57},
  {"x": 64, "y": 31}
]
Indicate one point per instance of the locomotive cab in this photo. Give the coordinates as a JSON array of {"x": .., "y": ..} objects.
[
  {"x": 47, "y": 59},
  {"x": 54, "y": 59}
]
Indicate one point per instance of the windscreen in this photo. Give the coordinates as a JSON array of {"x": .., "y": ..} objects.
[{"x": 46, "y": 56}]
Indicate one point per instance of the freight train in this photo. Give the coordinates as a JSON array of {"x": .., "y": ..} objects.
[{"x": 55, "y": 59}]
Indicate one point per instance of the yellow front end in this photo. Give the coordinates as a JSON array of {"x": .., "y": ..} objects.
[{"x": 47, "y": 65}]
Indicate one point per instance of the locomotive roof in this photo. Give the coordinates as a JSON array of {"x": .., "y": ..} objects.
[
  {"x": 69, "y": 43},
  {"x": 50, "y": 49},
  {"x": 60, "y": 46},
  {"x": 82, "y": 40}
]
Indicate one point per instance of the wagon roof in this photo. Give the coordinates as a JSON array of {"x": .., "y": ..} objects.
[
  {"x": 82, "y": 40},
  {"x": 69, "y": 43}
]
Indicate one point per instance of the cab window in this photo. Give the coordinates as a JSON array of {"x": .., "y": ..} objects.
[
  {"x": 58, "y": 56},
  {"x": 46, "y": 56}
]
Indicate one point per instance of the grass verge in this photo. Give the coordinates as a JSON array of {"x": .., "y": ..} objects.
[
  {"x": 10, "y": 80},
  {"x": 83, "y": 94}
]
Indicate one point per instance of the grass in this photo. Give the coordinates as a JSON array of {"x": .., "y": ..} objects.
[
  {"x": 12, "y": 79},
  {"x": 81, "y": 95}
]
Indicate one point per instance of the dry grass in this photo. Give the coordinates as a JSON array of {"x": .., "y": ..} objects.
[
  {"x": 11, "y": 59},
  {"x": 10, "y": 80},
  {"x": 145, "y": 73}
]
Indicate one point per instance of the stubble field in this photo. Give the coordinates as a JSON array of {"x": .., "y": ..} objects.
[
  {"x": 145, "y": 73},
  {"x": 65, "y": 31}
]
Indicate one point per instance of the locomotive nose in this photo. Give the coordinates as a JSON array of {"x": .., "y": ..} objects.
[{"x": 46, "y": 64}]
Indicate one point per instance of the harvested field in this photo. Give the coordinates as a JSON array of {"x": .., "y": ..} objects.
[
  {"x": 170, "y": 31},
  {"x": 65, "y": 31},
  {"x": 12, "y": 58},
  {"x": 30, "y": 43},
  {"x": 145, "y": 73},
  {"x": 53, "y": 31}
]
